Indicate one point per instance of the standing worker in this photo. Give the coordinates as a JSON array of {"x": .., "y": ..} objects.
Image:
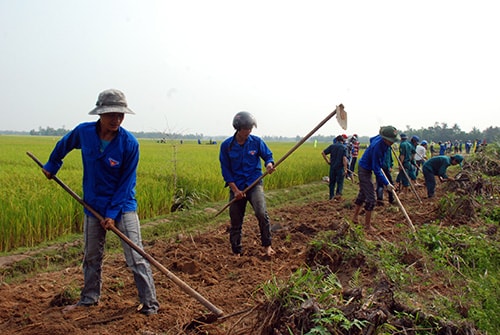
[
  {"x": 420, "y": 155},
  {"x": 354, "y": 150},
  {"x": 240, "y": 159},
  {"x": 110, "y": 155},
  {"x": 372, "y": 161},
  {"x": 338, "y": 166},
  {"x": 406, "y": 162},
  {"x": 437, "y": 166}
]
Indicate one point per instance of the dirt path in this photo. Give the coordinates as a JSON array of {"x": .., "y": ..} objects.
[{"x": 203, "y": 261}]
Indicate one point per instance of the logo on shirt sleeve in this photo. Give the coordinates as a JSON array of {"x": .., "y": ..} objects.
[{"x": 113, "y": 162}]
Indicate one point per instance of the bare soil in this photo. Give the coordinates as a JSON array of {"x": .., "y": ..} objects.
[{"x": 205, "y": 263}]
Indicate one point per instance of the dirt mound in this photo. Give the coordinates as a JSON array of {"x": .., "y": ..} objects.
[{"x": 204, "y": 262}]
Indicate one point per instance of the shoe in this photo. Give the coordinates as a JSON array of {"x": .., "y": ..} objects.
[
  {"x": 146, "y": 311},
  {"x": 380, "y": 203}
]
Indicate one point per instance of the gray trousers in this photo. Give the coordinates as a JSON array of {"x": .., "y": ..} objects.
[{"x": 95, "y": 238}]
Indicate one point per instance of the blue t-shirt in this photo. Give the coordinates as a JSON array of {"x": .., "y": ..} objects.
[{"x": 337, "y": 153}]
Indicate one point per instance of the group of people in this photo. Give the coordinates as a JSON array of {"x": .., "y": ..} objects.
[
  {"x": 378, "y": 159},
  {"x": 110, "y": 156},
  {"x": 456, "y": 147}
]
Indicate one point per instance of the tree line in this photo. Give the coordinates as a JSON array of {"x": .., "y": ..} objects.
[{"x": 439, "y": 132}]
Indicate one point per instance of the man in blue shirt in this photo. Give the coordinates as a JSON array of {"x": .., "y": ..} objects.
[
  {"x": 372, "y": 161},
  {"x": 110, "y": 155},
  {"x": 338, "y": 166},
  {"x": 240, "y": 159}
]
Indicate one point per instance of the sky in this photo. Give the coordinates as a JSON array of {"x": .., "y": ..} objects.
[{"x": 189, "y": 66}]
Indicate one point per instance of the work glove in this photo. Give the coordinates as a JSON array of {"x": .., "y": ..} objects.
[{"x": 390, "y": 187}]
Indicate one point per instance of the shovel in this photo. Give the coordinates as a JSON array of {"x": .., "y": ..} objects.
[{"x": 185, "y": 287}]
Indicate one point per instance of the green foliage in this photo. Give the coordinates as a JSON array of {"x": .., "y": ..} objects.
[
  {"x": 304, "y": 284},
  {"x": 442, "y": 132},
  {"x": 318, "y": 287},
  {"x": 332, "y": 317},
  {"x": 185, "y": 199},
  {"x": 471, "y": 257}
]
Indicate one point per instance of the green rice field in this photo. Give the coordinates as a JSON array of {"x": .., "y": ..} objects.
[{"x": 35, "y": 209}]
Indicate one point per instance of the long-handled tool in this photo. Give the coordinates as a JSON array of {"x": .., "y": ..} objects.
[
  {"x": 354, "y": 173},
  {"x": 352, "y": 178},
  {"x": 151, "y": 260},
  {"x": 407, "y": 176},
  {"x": 400, "y": 205},
  {"x": 341, "y": 119}
]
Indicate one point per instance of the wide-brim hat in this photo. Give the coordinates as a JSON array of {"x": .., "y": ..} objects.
[
  {"x": 111, "y": 101},
  {"x": 390, "y": 134}
]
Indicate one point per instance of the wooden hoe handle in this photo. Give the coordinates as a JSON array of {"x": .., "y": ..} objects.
[{"x": 134, "y": 246}]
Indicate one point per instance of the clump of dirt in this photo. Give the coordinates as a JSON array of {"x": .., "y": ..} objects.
[
  {"x": 204, "y": 262},
  {"x": 462, "y": 206}
]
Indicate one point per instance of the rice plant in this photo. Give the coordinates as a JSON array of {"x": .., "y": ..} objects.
[{"x": 35, "y": 210}]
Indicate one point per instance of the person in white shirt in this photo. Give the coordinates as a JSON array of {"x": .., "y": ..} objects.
[{"x": 421, "y": 154}]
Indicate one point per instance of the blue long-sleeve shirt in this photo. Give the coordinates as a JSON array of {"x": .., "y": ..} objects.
[
  {"x": 374, "y": 156},
  {"x": 109, "y": 177},
  {"x": 241, "y": 164}
]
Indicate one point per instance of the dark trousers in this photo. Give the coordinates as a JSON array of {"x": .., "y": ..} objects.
[
  {"x": 430, "y": 182},
  {"x": 336, "y": 178},
  {"x": 237, "y": 212},
  {"x": 366, "y": 193},
  {"x": 381, "y": 186},
  {"x": 352, "y": 165}
]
